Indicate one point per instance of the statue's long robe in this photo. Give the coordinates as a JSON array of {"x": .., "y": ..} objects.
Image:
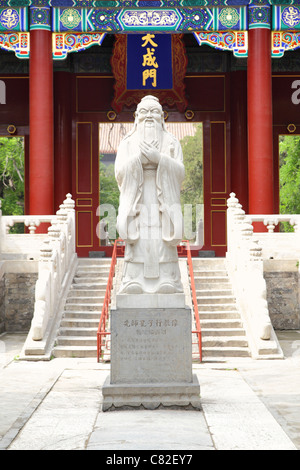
[{"x": 150, "y": 196}]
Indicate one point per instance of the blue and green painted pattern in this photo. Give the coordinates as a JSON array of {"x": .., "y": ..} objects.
[
  {"x": 136, "y": 15},
  {"x": 217, "y": 17},
  {"x": 286, "y": 17},
  {"x": 13, "y": 19},
  {"x": 139, "y": 20}
]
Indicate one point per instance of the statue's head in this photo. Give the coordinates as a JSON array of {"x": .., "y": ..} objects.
[{"x": 149, "y": 112}]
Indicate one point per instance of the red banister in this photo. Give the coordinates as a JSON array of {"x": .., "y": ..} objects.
[
  {"x": 101, "y": 333},
  {"x": 194, "y": 298}
]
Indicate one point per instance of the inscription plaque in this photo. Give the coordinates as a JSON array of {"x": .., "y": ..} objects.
[{"x": 151, "y": 346}]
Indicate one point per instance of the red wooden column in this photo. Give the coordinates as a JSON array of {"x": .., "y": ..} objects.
[
  {"x": 239, "y": 139},
  {"x": 62, "y": 137},
  {"x": 260, "y": 121},
  {"x": 41, "y": 123}
]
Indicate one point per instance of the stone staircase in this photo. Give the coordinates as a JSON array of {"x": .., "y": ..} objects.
[
  {"x": 77, "y": 334},
  {"x": 223, "y": 335}
]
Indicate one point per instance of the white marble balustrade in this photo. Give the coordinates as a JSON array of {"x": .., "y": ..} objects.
[
  {"x": 246, "y": 251},
  {"x": 56, "y": 258}
]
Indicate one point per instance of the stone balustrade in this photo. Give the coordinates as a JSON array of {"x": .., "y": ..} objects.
[
  {"x": 255, "y": 244},
  {"x": 276, "y": 244},
  {"x": 25, "y": 245},
  {"x": 245, "y": 268},
  {"x": 56, "y": 259},
  {"x": 271, "y": 221}
]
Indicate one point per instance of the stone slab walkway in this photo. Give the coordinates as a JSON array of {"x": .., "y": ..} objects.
[{"x": 56, "y": 405}]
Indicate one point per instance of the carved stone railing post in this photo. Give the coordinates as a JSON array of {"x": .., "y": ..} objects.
[
  {"x": 43, "y": 297},
  {"x": 9, "y": 223},
  {"x": 270, "y": 223},
  {"x": 32, "y": 224},
  {"x": 68, "y": 203},
  {"x": 232, "y": 204},
  {"x": 69, "y": 206},
  {"x": 257, "y": 291},
  {"x": 54, "y": 267}
]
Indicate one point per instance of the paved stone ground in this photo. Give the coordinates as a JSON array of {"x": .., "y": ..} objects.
[{"x": 56, "y": 405}]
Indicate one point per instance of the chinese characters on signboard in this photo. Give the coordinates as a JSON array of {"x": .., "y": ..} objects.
[{"x": 149, "y": 62}]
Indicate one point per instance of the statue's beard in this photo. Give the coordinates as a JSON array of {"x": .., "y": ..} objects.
[{"x": 149, "y": 131}]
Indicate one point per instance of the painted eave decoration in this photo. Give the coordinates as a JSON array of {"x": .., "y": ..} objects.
[{"x": 79, "y": 24}]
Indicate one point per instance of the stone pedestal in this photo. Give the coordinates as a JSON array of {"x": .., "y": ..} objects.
[{"x": 151, "y": 358}]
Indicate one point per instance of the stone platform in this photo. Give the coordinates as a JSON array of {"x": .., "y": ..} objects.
[
  {"x": 151, "y": 359},
  {"x": 151, "y": 396}
]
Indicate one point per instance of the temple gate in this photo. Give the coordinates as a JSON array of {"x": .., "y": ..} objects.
[{"x": 235, "y": 69}]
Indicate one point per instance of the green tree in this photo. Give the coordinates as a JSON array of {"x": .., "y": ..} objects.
[
  {"x": 109, "y": 193},
  {"x": 192, "y": 188},
  {"x": 12, "y": 175},
  {"x": 289, "y": 173}
]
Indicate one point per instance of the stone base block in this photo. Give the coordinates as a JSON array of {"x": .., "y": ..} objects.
[
  {"x": 151, "y": 345},
  {"x": 151, "y": 359},
  {"x": 151, "y": 396}
]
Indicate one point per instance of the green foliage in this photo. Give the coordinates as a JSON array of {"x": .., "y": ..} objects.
[
  {"x": 289, "y": 155},
  {"x": 109, "y": 194},
  {"x": 192, "y": 148},
  {"x": 192, "y": 188},
  {"x": 109, "y": 191},
  {"x": 12, "y": 175}
]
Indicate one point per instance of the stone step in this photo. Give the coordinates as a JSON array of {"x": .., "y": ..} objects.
[
  {"x": 86, "y": 293},
  {"x": 219, "y": 315},
  {"x": 75, "y": 351},
  {"x": 73, "y": 331},
  {"x": 210, "y": 273},
  {"x": 79, "y": 323},
  {"x": 208, "y": 262},
  {"x": 210, "y": 280},
  {"x": 84, "y": 307},
  {"x": 93, "y": 315},
  {"x": 230, "y": 307},
  {"x": 82, "y": 341},
  {"x": 220, "y": 323},
  {"x": 90, "y": 284},
  {"x": 217, "y": 330},
  {"x": 216, "y": 299},
  {"x": 214, "y": 352},
  {"x": 92, "y": 272},
  {"x": 85, "y": 300},
  {"x": 213, "y": 292},
  {"x": 201, "y": 286},
  {"x": 95, "y": 264},
  {"x": 224, "y": 341},
  {"x": 87, "y": 280}
]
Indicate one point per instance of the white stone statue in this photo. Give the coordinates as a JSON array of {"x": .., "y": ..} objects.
[{"x": 149, "y": 171}]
